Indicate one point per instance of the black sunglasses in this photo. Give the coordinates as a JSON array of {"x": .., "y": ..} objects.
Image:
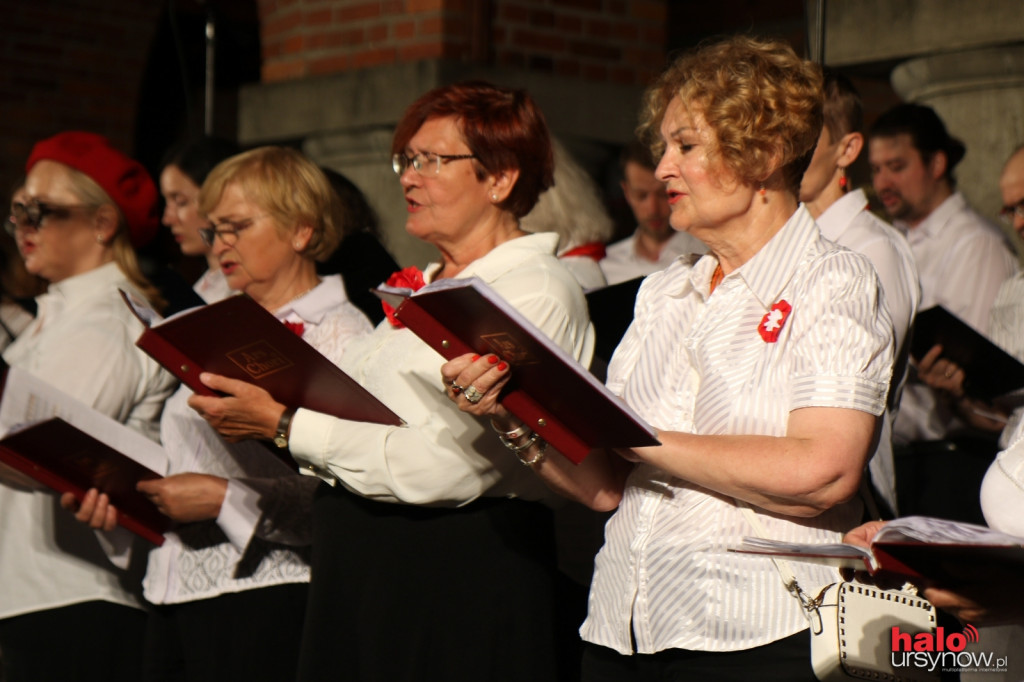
[{"x": 31, "y": 215}]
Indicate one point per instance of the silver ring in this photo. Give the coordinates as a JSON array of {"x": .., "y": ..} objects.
[
  {"x": 473, "y": 394},
  {"x": 456, "y": 389}
]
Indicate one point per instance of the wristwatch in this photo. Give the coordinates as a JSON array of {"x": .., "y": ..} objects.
[{"x": 284, "y": 425}]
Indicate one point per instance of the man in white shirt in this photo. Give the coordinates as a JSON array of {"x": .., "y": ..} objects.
[
  {"x": 654, "y": 244},
  {"x": 1006, "y": 319},
  {"x": 962, "y": 258}
]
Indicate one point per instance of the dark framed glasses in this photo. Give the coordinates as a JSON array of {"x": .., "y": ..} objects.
[
  {"x": 227, "y": 231},
  {"x": 30, "y": 215},
  {"x": 1008, "y": 213},
  {"x": 425, "y": 163}
]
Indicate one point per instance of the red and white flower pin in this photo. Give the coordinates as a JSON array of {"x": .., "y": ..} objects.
[
  {"x": 773, "y": 322},
  {"x": 406, "y": 278}
]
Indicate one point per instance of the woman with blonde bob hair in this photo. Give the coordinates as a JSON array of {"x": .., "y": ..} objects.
[
  {"x": 763, "y": 365},
  {"x": 289, "y": 187},
  {"x": 240, "y": 549}
]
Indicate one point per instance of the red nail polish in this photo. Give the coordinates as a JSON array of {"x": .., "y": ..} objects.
[
  {"x": 502, "y": 366},
  {"x": 475, "y": 358},
  {"x": 492, "y": 359}
]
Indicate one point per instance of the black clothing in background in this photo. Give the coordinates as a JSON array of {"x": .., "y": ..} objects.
[{"x": 363, "y": 263}]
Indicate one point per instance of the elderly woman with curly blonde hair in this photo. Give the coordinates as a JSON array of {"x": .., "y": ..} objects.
[{"x": 763, "y": 365}]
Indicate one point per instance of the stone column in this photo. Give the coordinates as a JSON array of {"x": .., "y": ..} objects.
[
  {"x": 964, "y": 58},
  {"x": 980, "y": 95}
]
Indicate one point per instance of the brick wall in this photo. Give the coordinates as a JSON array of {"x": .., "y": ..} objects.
[
  {"x": 616, "y": 41},
  {"x": 619, "y": 41},
  {"x": 68, "y": 64}
]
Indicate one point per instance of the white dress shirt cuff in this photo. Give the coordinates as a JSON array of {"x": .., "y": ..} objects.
[
  {"x": 308, "y": 441},
  {"x": 239, "y": 514}
]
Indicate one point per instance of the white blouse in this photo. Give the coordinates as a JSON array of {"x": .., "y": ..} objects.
[
  {"x": 82, "y": 342},
  {"x": 698, "y": 363},
  {"x": 260, "y": 537},
  {"x": 442, "y": 457}
]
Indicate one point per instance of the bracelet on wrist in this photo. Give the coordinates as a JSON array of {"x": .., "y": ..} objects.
[
  {"x": 517, "y": 432},
  {"x": 533, "y": 439},
  {"x": 542, "y": 448},
  {"x": 517, "y": 448}
]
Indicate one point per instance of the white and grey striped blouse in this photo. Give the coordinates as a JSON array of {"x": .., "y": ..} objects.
[{"x": 697, "y": 363}]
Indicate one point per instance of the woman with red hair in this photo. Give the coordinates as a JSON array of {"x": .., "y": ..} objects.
[{"x": 429, "y": 562}]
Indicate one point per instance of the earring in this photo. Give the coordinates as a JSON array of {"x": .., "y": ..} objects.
[
  {"x": 843, "y": 182},
  {"x": 763, "y": 192},
  {"x": 99, "y": 239},
  {"x": 494, "y": 196}
]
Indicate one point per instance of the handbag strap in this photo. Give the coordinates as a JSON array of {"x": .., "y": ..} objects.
[{"x": 810, "y": 604}]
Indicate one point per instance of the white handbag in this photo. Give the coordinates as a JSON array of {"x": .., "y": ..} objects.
[
  {"x": 851, "y": 637},
  {"x": 851, "y": 626}
]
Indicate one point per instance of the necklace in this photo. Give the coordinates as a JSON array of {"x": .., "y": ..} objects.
[
  {"x": 301, "y": 294},
  {"x": 716, "y": 277}
]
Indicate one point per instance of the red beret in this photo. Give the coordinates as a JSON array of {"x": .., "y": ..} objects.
[{"x": 123, "y": 179}]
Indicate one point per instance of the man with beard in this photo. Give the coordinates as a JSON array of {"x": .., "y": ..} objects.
[
  {"x": 655, "y": 244},
  {"x": 961, "y": 257}
]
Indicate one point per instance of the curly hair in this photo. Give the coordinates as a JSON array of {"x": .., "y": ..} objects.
[
  {"x": 763, "y": 102},
  {"x": 503, "y": 128},
  {"x": 287, "y": 185}
]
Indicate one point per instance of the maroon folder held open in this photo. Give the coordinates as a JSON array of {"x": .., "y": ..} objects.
[
  {"x": 68, "y": 460},
  {"x": 239, "y": 339},
  {"x": 549, "y": 390}
]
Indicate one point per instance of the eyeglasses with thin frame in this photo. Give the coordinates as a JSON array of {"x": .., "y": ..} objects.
[
  {"x": 228, "y": 230},
  {"x": 1008, "y": 213},
  {"x": 425, "y": 163},
  {"x": 30, "y": 215}
]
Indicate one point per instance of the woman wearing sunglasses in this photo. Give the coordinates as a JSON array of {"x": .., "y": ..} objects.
[
  {"x": 239, "y": 554},
  {"x": 85, "y": 206}
]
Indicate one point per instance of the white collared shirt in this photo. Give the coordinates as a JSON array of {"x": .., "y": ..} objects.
[
  {"x": 1006, "y": 320},
  {"x": 443, "y": 456},
  {"x": 848, "y": 223},
  {"x": 694, "y": 362},
  {"x": 265, "y": 499},
  {"x": 82, "y": 342},
  {"x": 621, "y": 261},
  {"x": 962, "y": 260}
]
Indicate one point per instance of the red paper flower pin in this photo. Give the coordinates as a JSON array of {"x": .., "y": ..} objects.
[
  {"x": 296, "y": 327},
  {"x": 406, "y": 278},
  {"x": 773, "y": 322}
]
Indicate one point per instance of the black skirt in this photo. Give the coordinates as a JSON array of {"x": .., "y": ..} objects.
[{"x": 404, "y": 593}]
